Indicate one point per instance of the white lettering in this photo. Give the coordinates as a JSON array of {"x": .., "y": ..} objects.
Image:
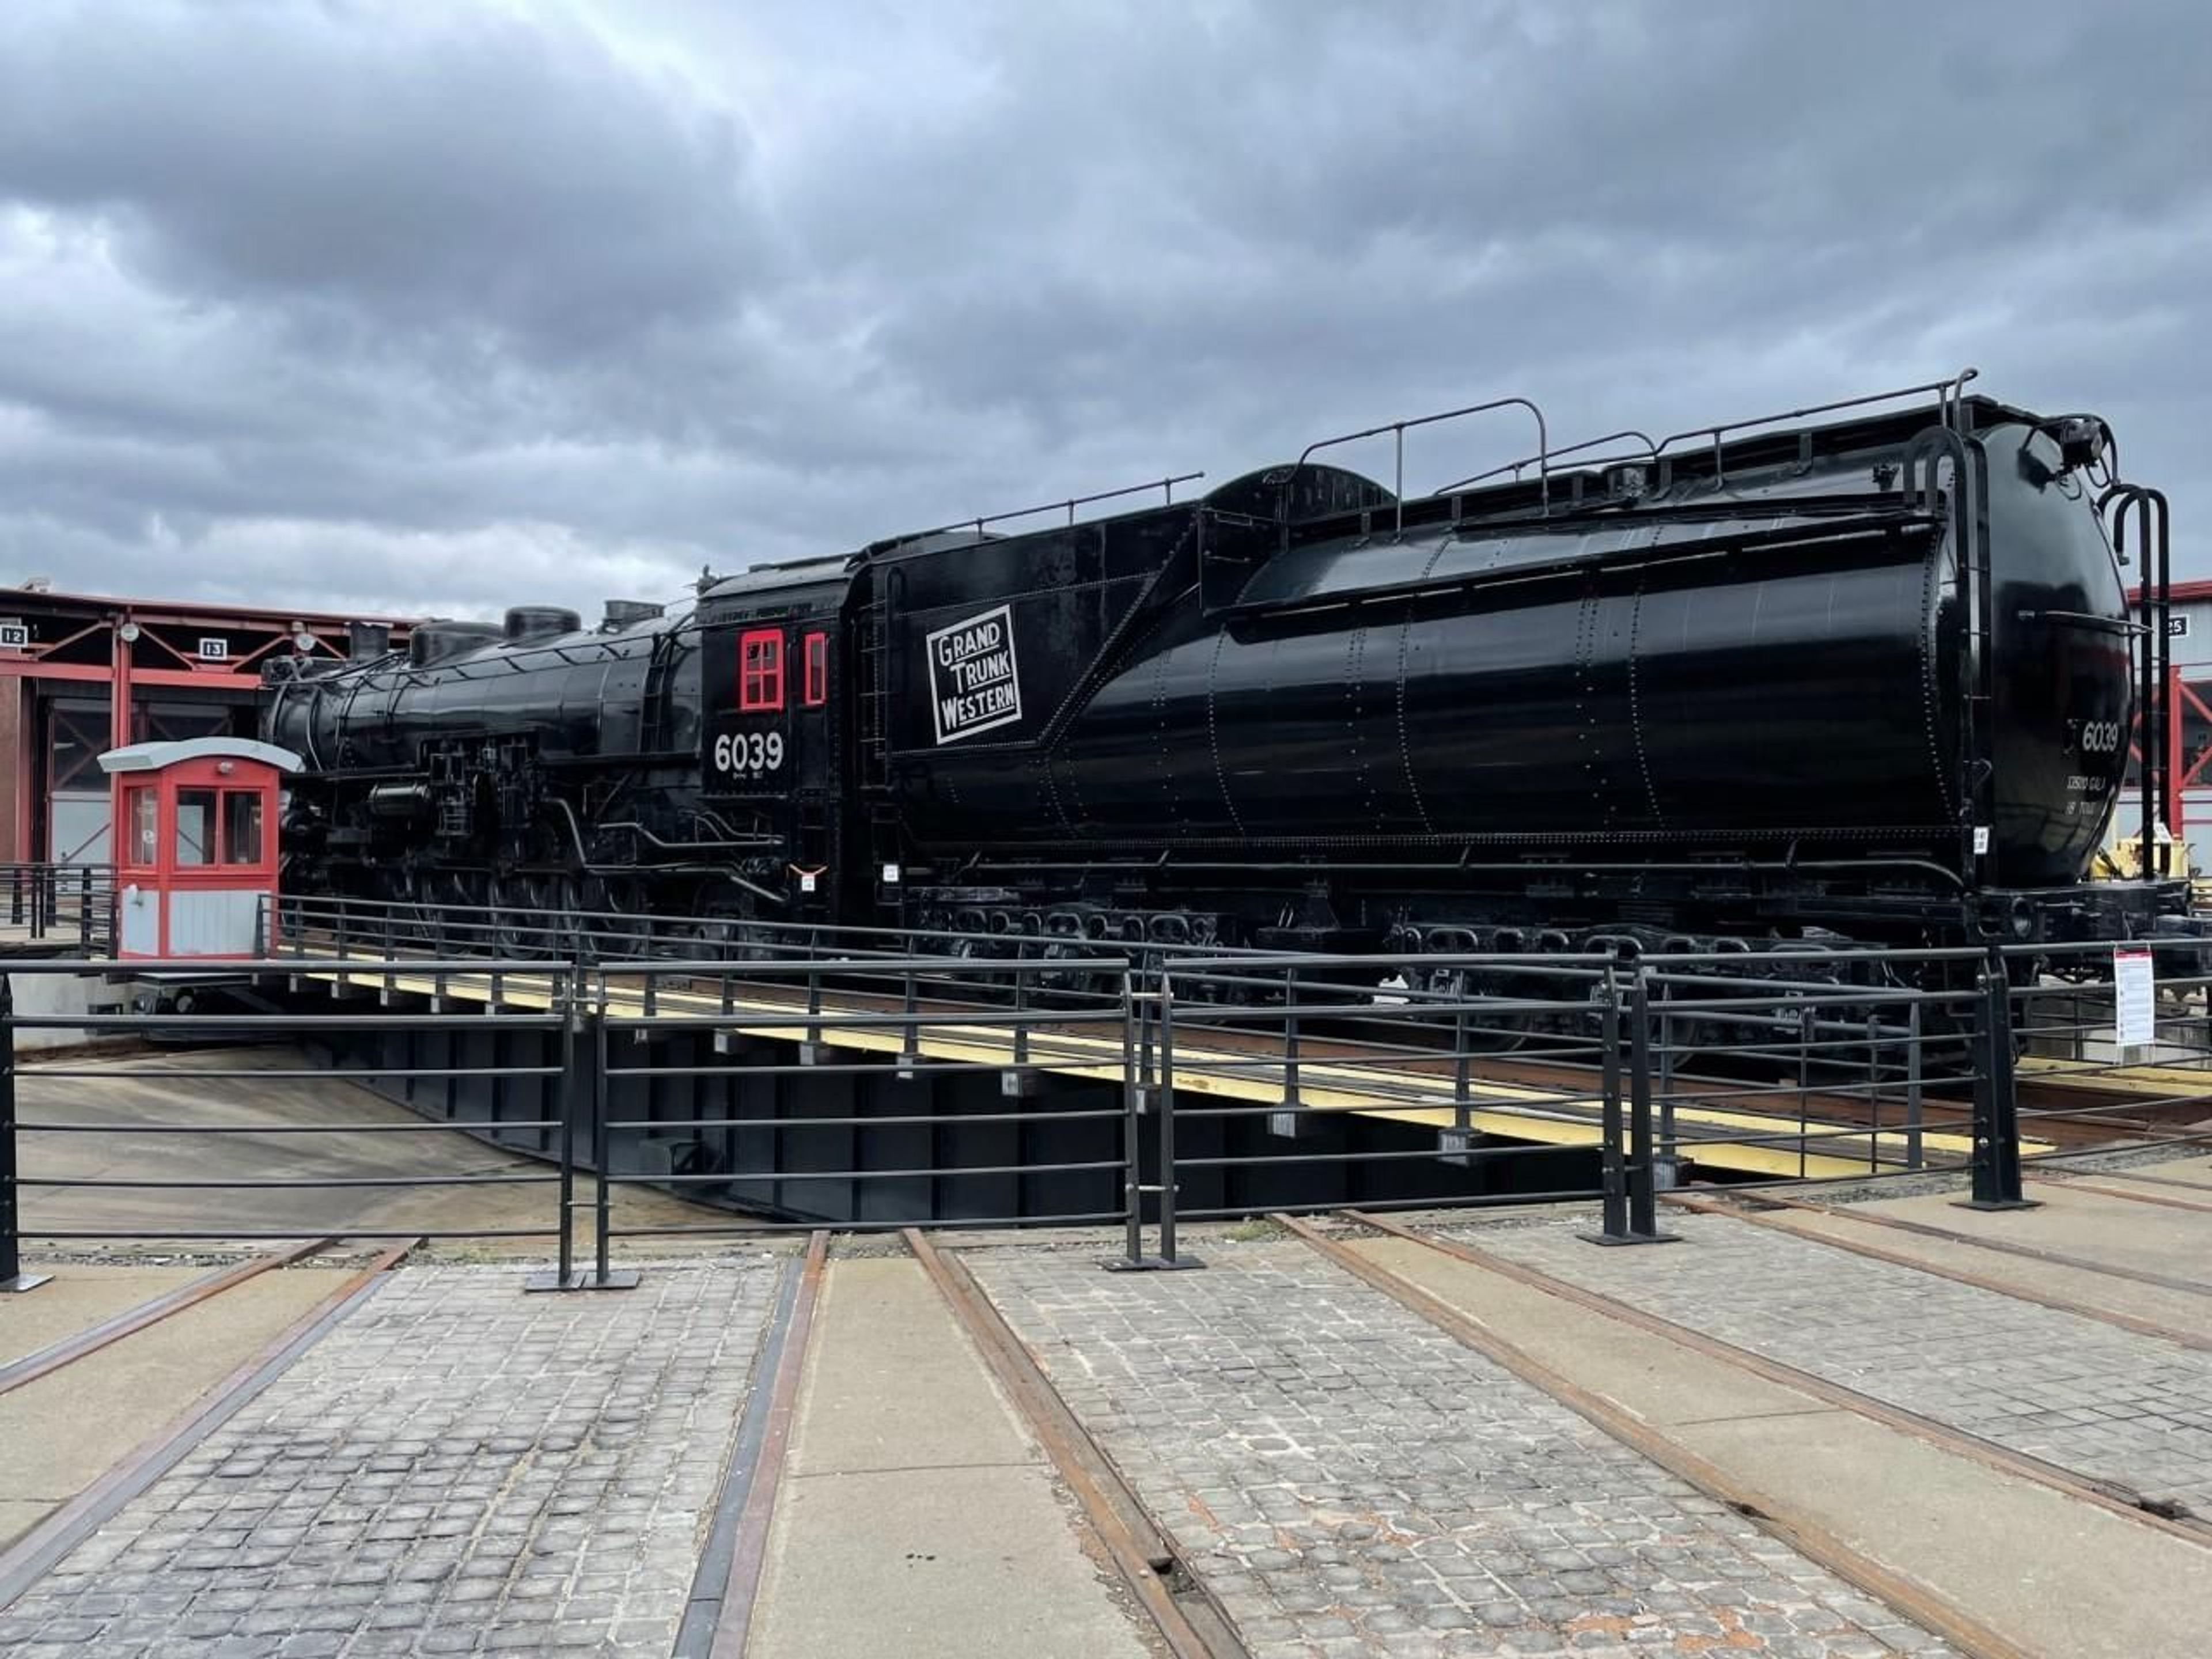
[
  {"x": 740, "y": 753},
  {"x": 975, "y": 678}
]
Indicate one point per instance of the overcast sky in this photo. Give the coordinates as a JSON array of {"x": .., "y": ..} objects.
[{"x": 444, "y": 307}]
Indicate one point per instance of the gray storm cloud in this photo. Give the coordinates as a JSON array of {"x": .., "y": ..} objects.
[{"x": 442, "y": 307}]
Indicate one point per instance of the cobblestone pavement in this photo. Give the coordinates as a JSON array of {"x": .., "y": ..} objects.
[
  {"x": 1352, "y": 1482},
  {"x": 456, "y": 1468},
  {"x": 2088, "y": 1396}
]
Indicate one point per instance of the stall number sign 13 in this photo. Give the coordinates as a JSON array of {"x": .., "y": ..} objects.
[{"x": 744, "y": 753}]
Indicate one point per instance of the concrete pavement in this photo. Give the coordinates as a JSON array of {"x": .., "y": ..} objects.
[{"x": 917, "y": 1516}]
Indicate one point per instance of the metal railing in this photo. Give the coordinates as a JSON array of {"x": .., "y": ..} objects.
[
  {"x": 72, "y": 1116},
  {"x": 62, "y": 903},
  {"x": 867, "y": 1079}
]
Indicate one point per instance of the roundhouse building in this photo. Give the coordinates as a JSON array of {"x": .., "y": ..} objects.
[{"x": 82, "y": 672}]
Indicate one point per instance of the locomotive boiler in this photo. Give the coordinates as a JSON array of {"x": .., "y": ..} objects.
[{"x": 1868, "y": 676}]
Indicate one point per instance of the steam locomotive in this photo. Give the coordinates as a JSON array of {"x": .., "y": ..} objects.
[{"x": 1870, "y": 676}]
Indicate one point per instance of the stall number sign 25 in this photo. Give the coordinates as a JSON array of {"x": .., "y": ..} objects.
[{"x": 743, "y": 752}]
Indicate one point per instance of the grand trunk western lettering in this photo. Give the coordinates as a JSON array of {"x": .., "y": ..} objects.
[{"x": 974, "y": 682}]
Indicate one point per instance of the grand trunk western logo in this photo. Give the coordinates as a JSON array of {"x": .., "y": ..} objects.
[{"x": 974, "y": 684}]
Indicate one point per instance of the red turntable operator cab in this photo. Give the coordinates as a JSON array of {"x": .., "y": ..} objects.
[{"x": 195, "y": 844}]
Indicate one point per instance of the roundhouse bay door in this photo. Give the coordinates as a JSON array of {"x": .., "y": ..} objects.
[{"x": 773, "y": 747}]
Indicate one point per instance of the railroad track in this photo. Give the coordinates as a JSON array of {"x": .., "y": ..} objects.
[
  {"x": 1911, "y": 1595},
  {"x": 31, "y": 1557},
  {"x": 46, "y": 1361},
  {"x": 719, "y": 1620}
]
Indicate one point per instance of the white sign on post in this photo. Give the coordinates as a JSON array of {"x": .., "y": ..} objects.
[{"x": 2135, "y": 997}]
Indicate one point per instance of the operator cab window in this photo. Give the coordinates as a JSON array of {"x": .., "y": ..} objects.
[
  {"x": 760, "y": 671},
  {"x": 139, "y": 810},
  {"x": 241, "y": 826},
  {"x": 195, "y": 839}
]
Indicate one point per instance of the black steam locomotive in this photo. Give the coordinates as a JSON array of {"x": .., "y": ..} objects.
[{"x": 1872, "y": 678}]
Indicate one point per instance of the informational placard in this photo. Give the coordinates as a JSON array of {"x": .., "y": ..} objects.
[{"x": 2135, "y": 997}]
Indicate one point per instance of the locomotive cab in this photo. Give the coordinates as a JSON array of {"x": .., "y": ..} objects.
[{"x": 774, "y": 730}]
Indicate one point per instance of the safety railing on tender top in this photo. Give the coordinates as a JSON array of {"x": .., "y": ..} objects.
[
  {"x": 62, "y": 902},
  {"x": 46, "y": 1109}
]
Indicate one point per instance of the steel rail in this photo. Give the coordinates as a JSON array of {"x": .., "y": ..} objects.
[
  {"x": 40, "y": 1550},
  {"x": 1799, "y": 1531},
  {"x": 2126, "y": 1321},
  {"x": 2157, "y": 1181},
  {"x": 2001, "y": 1247},
  {"x": 50, "y": 1359},
  {"x": 2115, "y": 1496},
  {"x": 735, "y": 1576},
  {"x": 2086, "y": 1183},
  {"x": 1179, "y": 1606}
]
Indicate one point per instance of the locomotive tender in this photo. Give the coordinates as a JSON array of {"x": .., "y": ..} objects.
[{"x": 1873, "y": 678}]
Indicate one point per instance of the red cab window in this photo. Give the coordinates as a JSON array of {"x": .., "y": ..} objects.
[
  {"x": 241, "y": 826},
  {"x": 760, "y": 669},
  {"x": 818, "y": 670}
]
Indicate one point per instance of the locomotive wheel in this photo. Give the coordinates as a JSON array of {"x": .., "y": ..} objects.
[{"x": 615, "y": 917}]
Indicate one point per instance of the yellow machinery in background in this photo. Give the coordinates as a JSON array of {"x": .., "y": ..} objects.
[{"x": 2121, "y": 860}]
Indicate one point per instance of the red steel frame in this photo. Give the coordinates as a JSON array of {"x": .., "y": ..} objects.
[
  {"x": 2184, "y": 696},
  {"x": 102, "y": 618}
]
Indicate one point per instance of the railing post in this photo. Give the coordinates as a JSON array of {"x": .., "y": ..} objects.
[
  {"x": 1996, "y": 1104},
  {"x": 1808, "y": 1020},
  {"x": 1133, "y": 1146},
  {"x": 1291, "y": 1039},
  {"x": 1462, "y": 1056},
  {"x": 1912, "y": 1155},
  {"x": 1613, "y": 1227},
  {"x": 1158, "y": 1095},
  {"x": 1147, "y": 1014},
  {"x": 604, "y": 1277},
  {"x": 569, "y": 1039},
  {"x": 13, "y": 1278},
  {"x": 1021, "y": 1000},
  {"x": 1167, "y": 1126},
  {"x": 910, "y": 1030},
  {"x": 809, "y": 1052},
  {"x": 1641, "y": 1164},
  {"x": 1874, "y": 1094},
  {"x": 84, "y": 911}
]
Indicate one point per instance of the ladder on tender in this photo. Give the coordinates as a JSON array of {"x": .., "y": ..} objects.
[{"x": 874, "y": 733}]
